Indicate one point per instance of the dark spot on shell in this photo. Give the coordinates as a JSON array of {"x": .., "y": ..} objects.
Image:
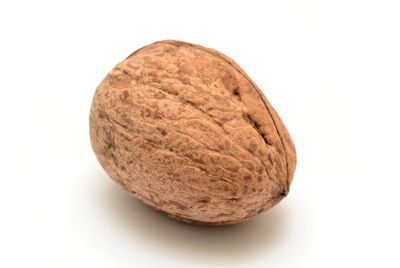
[
  {"x": 261, "y": 210},
  {"x": 204, "y": 200},
  {"x": 247, "y": 177},
  {"x": 284, "y": 193},
  {"x": 162, "y": 131},
  {"x": 236, "y": 93},
  {"x": 102, "y": 114}
]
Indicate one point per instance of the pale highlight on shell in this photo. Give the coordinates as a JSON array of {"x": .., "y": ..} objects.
[{"x": 184, "y": 129}]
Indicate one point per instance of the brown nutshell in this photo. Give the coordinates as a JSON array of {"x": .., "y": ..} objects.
[{"x": 184, "y": 129}]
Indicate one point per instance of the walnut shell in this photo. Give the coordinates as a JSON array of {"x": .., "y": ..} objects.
[{"x": 184, "y": 129}]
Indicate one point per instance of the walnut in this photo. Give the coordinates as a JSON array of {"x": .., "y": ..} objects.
[{"x": 184, "y": 129}]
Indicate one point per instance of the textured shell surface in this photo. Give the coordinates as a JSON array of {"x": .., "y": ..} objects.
[{"x": 184, "y": 129}]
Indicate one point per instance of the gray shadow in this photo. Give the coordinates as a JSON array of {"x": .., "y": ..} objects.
[{"x": 132, "y": 219}]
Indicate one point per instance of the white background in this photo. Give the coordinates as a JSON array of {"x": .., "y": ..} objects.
[{"x": 330, "y": 68}]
